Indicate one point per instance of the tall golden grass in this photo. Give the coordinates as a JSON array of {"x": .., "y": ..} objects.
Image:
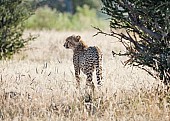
[{"x": 39, "y": 84}]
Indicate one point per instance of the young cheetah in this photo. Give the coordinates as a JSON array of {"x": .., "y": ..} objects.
[{"x": 85, "y": 59}]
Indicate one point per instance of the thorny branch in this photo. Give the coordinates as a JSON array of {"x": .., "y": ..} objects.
[{"x": 147, "y": 35}]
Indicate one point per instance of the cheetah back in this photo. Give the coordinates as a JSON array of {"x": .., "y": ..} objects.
[{"x": 88, "y": 59}]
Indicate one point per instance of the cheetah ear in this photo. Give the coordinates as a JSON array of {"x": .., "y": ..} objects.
[{"x": 78, "y": 38}]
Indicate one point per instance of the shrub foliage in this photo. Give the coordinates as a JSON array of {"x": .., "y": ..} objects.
[
  {"x": 147, "y": 36},
  {"x": 12, "y": 15}
]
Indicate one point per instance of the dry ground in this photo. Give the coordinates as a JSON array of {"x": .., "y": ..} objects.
[{"x": 39, "y": 84}]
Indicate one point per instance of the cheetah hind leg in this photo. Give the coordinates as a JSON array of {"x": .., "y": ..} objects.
[
  {"x": 99, "y": 74},
  {"x": 77, "y": 82},
  {"x": 88, "y": 98},
  {"x": 89, "y": 89}
]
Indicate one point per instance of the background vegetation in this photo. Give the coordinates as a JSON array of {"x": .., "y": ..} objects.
[
  {"x": 47, "y": 18},
  {"x": 67, "y": 5}
]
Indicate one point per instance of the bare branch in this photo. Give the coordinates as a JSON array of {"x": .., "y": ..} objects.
[
  {"x": 151, "y": 33},
  {"x": 109, "y": 34}
]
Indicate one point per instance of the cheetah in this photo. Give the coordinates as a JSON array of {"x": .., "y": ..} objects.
[{"x": 86, "y": 59}]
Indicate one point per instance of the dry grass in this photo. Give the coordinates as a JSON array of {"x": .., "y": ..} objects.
[{"x": 39, "y": 84}]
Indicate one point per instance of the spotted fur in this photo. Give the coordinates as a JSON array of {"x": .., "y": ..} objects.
[{"x": 86, "y": 59}]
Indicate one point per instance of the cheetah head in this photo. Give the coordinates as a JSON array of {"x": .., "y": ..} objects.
[{"x": 72, "y": 42}]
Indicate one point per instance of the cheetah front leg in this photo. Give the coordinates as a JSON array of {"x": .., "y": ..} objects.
[{"x": 77, "y": 73}]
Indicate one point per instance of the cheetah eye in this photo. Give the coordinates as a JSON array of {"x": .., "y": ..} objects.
[{"x": 68, "y": 42}]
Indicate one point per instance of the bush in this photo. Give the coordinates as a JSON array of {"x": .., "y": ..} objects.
[
  {"x": 12, "y": 15},
  {"x": 147, "y": 36},
  {"x": 46, "y": 18}
]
